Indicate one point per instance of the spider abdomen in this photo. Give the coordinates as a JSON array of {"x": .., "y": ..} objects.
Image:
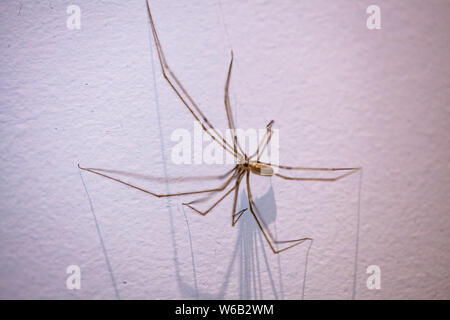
[{"x": 261, "y": 169}]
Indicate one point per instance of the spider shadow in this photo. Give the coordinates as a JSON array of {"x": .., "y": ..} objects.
[
  {"x": 253, "y": 246},
  {"x": 250, "y": 255}
]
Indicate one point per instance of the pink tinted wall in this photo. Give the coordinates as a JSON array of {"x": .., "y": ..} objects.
[{"x": 341, "y": 95}]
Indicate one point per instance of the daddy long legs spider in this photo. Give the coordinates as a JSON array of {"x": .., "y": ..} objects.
[{"x": 246, "y": 165}]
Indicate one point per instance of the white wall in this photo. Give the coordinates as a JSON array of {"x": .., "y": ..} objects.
[{"x": 340, "y": 94}]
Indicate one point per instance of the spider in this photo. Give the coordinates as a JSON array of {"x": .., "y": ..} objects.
[{"x": 246, "y": 165}]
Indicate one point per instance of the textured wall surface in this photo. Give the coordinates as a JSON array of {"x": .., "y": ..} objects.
[{"x": 341, "y": 95}]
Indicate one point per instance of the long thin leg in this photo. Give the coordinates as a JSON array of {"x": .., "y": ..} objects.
[
  {"x": 238, "y": 215},
  {"x": 165, "y": 179},
  {"x": 307, "y": 168},
  {"x": 235, "y": 214},
  {"x": 161, "y": 195},
  {"x": 209, "y": 195},
  {"x": 264, "y": 142},
  {"x": 350, "y": 171},
  {"x": 204, "y": 213},
  {"x": 269, "y": 137},
  {"x": 184, "y": 96},
  {"x": 263, "y": 226},
  {"x": 227, "y": 103}
]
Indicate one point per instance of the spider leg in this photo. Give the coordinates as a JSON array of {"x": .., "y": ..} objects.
[
  {"x": 308, "y": 168},
  {"x": 209, "y": 195},
  {"x": 204, "y": 213},
  {"x": 238, "y": 215},
  {"x": 230, "y": 118},
  {"x": 235, "y": 214},
  {"x": 269, "y": 130},
  {"x": 184, "y": 96},
  {"x": 350, "y": 171},
  {"x": 264, "y": 142},
  {"x": 263, "y": 226},
  {"x": 156, "y": 194},
  {"x": 164, "y": 179}
]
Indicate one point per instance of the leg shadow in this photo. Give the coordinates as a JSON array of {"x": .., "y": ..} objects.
[
  {"x": 102, "y": 243},
  {"x": 251, "y": 256}
]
